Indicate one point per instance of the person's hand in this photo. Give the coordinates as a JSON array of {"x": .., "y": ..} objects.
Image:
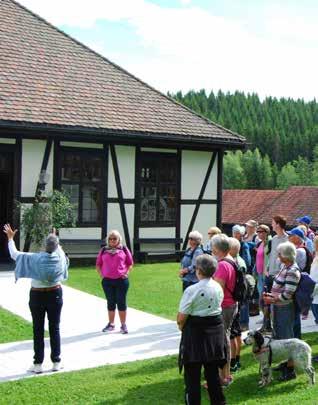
[
  {"x": 9, "y": 231},
  {"x": 182, "y": 272},
  {"x": 53, "y": 231},
  {"x": 124, "y": 276}
]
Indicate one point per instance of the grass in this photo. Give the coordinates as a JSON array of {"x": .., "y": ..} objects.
[
  {"x": 154, "y": 381},
  {"x": 13, "y": 328},
  {"x": 154, "y": 288}
]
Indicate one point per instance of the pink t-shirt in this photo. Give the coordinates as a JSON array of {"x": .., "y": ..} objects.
[
  {"x": 260, "y": 259},
  {"x": 226, "y": 272},
  {"x": 114, "y": 265}
]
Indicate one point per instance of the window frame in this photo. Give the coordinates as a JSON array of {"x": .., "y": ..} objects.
[
  {"x": 159, "y": 156},
  {"x": 84, "y": 152}
]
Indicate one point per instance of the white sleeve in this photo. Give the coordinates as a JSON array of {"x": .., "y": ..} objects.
[
  {"x": 186, "y": 302},
  {"x": 14, "y": 253}
]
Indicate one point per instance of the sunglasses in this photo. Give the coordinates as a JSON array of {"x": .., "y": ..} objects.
[
  {"x": 260, "y": 231},
  {"x": 112, "y": 238}
]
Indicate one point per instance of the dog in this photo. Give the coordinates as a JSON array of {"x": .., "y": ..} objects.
[{"x": 268, "y": 350}]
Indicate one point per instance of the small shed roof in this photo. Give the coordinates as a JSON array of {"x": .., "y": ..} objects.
[
  {"x": 47, "y": 77},
  {"x": 261, "y": 205}
]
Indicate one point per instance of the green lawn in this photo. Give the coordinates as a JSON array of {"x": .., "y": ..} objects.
[
  {"x": 154, "y": 288},
  {"x": 150, "y": 382},
  {"x": 13, "y": 328}
]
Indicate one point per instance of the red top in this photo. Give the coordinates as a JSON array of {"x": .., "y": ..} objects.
[{"x": 226, "y": 272}]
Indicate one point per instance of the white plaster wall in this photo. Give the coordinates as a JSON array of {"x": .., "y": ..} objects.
[
  {"x": 80, "y": 233},
  {"x": 82, "y": 145},
  {"x": 206, "y": 217},
  {"x": 193, "y": 170},
  {"x": 157, "y": 232},
  {"x": 212, "y": 186},
  {"x": 115, "y": 221},
  {"x": 126, "y": 164},
  {"x": 32, "y": 157},
  {"x": 7, "y": 141}
]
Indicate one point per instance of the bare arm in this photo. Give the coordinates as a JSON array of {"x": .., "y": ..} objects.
[{"x": 181, "y": 320}]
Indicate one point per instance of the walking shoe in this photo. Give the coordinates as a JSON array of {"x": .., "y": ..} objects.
[
  {"x": 36, "y": 369},
  {"x": 57, "y": 366},
  {"x": 123, "y": 329},
  {"x": 109, "y": 327},
  {"x": 238, "y": 365},
  {"x": 315, "y": 359},
  {"x": 234, "y": 368}
]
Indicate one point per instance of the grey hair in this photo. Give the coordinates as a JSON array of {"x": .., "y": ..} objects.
[
  {"x": 196, "y": 235},
  {"x": 114, "y": 232},
  {"x": 234, "y": 244},
  {"x": 206, "y": 264},
  {"x": 221, "y": 242},
  {"x": 287, "y": 250},
  {"x": 51, "y": 243}
]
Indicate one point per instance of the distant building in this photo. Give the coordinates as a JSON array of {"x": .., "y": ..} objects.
[{"x": 241, "y": 205}]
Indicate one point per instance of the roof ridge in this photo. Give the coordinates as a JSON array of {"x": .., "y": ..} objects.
[{"x": 241, "y": 138}]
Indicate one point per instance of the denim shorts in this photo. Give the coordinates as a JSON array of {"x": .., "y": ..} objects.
[{"x": 283, "y": 321}]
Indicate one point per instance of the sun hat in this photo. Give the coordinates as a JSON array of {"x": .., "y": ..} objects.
[
  {"x": 264, "y": 227},
  {"x": 297, "y": 232},
  {"x": 305, "y": 219}
]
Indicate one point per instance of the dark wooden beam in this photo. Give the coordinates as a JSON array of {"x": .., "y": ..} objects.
[
  {"x": 219, "y": 189},
  {"x": 120, "y": 195}
]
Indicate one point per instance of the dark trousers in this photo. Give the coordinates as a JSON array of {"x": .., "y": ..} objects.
[
  {"x": 116, "y": 293},
  {"x": 186, "y": 284},
  {"x": 50, "y": 303},
  {"x": 192, "y": 378}
]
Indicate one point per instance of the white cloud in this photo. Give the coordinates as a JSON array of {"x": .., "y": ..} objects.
[{"x": 186, "y": 48}]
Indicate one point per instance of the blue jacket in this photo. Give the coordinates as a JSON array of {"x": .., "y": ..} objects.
[
  {"x": 50, "y": 267},
  {"x": 246, "y": 254},
  {"x": 188, "y": 262}
]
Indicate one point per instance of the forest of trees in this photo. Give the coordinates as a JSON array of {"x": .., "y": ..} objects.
[{"x": 282, "y": 135}]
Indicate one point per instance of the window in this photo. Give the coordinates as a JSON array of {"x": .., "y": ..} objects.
[
  {"x": 81, "y": 177},
  {"x": 157, "y": 189}
]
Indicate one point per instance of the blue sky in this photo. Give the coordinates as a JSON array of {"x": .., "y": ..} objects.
[{"x": 262, "y": 46}]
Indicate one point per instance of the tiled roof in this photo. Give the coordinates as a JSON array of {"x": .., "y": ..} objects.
[
  {"x": 241, "y": 205},
  {"x": 46, "y": 77}
]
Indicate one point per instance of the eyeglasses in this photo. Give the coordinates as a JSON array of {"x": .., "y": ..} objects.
[
  {"x": 260, "y": 231},
  {"x": 191, "y": 238},
  {"x": 112, "y": 238},
  {"x": 210, "y": 233}
]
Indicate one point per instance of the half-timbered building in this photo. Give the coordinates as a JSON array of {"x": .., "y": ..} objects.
[{"x": 130, "y": 157}]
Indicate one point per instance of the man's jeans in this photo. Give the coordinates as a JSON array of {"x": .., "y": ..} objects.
[{"x": 50, "y": 303}]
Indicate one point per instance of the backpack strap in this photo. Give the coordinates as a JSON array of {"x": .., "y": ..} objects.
[{"x": 232, "y": 262}]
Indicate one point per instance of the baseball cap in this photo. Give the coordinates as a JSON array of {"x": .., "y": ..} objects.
[
  {"x": 297, "y": 232},
  {"x": 305, "y": 219}
]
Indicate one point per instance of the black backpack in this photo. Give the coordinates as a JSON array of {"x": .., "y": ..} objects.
[
  {"x": 309, "y": 260},
  {"x": 244, "y": 285}
]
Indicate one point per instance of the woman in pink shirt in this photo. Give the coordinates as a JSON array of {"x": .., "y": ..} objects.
[
  {"x": 225, "y": 275},
  {"x": 113, "y": 263}
]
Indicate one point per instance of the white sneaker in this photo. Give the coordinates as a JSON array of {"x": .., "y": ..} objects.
[
  {"x": 36, "y": 369},
  {"x": 57, "y": 366}
]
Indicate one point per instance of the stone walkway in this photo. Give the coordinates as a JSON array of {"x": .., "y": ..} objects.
[{"x": 83, "y": 343}]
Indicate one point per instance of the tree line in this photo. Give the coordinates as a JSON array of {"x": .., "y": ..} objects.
[{"x": 282, "y": 135}]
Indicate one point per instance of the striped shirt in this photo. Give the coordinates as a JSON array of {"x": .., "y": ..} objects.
[{"x": 285, "y": 284}]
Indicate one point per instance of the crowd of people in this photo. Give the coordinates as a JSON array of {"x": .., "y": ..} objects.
[
  {"x": 212, "y": 312},
  {"x": 209, "y": 275}
]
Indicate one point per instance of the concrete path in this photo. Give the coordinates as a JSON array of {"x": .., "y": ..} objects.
[{"x": 83, "y": 343}]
